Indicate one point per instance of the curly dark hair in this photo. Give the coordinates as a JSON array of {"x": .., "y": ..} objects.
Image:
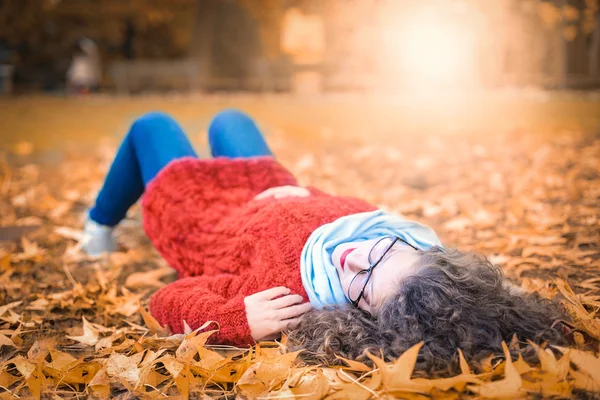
[{"x": 455, "y": 301}]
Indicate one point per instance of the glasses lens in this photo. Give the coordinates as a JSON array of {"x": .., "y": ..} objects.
[
  {"x": 357, "y": 285},
  {"x": 380, "y": 249}
]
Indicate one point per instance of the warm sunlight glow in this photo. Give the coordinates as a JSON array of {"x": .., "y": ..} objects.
[{"x": 430, "y": 50}]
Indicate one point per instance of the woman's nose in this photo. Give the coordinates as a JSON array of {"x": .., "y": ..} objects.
[{"x": 357, "y": 263}]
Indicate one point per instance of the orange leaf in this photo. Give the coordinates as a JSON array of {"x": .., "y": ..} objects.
[
  {"x": 153, "y": 326},
  {"x": 510, "y": 387},
  {"x": 90, "y": 334}
]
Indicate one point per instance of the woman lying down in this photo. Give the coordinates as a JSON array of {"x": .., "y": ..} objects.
[{"x": 260, "y": 255}]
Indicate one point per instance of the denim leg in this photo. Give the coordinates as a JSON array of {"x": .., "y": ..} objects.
[
  {"x": 234, "y": 134},
  {"x": 153, "y": 141}
]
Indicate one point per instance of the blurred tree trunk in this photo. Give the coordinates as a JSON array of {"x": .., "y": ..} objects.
[
  {"x": 201, "y": 39},
  {"x": 594, "y": 68},
  {"x": 561, "y": 54}
]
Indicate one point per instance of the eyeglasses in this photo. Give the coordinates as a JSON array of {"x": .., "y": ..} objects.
[{"x": 359, "y": 283}]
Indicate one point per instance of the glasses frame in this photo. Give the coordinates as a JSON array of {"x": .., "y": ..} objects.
[{"x": 372, "y": 266}]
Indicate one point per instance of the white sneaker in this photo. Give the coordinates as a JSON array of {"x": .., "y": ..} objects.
[{"x": 97, "y": 239}]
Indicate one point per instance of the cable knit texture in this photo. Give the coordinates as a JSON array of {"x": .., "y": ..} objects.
[{"x": 202, "y": 217}]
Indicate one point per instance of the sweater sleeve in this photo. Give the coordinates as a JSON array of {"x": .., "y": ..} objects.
[{"x": 197, "y": 300}]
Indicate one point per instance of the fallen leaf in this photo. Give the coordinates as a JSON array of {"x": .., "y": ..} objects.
[
  {"x": 153, "y": 326},
  {"x": 510, "y": 387},
  {"x": 90, "y": 334}
]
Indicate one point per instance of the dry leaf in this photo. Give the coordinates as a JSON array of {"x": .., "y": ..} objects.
[
  {"x": 90, "y": 334},
  {"x": 509, "y": 387},
  {"x": 148, "y": 279},
  {"x": 153, "y": 325}
]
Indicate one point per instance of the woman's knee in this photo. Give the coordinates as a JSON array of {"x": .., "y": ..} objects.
[
  {"x": 228, "y": 121},
  {"x": 233, "y": 133},
  {"x": 153, "y": 122}
]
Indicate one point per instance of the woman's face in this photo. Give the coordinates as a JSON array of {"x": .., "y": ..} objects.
[{"x": 398, "y": 263}]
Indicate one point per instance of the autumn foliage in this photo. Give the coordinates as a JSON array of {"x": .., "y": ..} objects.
[{"x": 73, "y": 326}]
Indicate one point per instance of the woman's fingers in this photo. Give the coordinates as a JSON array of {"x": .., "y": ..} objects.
[
  {"x": 293, "y": 311},
  {"x": 283, "y": 191},
  {"x": 264, "y": 194},
  {"x": 286, "y": 301},
  {"x": 270, "y": 294}
]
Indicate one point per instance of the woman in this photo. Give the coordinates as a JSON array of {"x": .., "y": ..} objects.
[{"x": 255, "y": 253}]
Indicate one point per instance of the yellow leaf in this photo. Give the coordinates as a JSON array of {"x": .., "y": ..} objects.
[
  {"x": 151, "y": 357},
  {"x": 31, "y": 251},
  {"x": 5, "y": 341},
  {"x": 36, "y": 382},
  {"x": 586, "y": 362},
  {"x": 265, "y": 375},
  {"x": 40, "y": 350},
  {"x": 563, "y": 365},
  {"x": 224, "y": 371},
  {"x": 100, "y": 384},
  {"x": 125, "y": 369},
  {"x": 464, "y": 366},
  {"x": 510, "y": 387},
  {"x": 547, "y": 359},
  {"x": 311, "y": 387},
  {"x": 458, "y": 382},
  {"x": 90, "y": 334},
  {"x": 61, "y": 361},
  {"x": 183, "y": 382},
  {"x": 209, "y": 359},
  {"x": 397, "y": 377},
  {"x": 82, "y": 373},
  {"x": 582, "y": 380},
  {"x": 24, "y": 366},
  {"x": 69, "y": 233},
  {"x": 106, "y": 343},
  {"x": 583, "y": 319},
  {"x": 189, "y": 346},
  {"x": 5, "y": 308},
  {"x": 354, "y": 365},
  {"x": 405, "y": 364},
  {"x": 7, "y": 380},
  {"x": 359, "y": 389},
  {"x": 173, "y": 366},
  {"x": 12, "y": 317},
  {"x": 250, "y": 385},
  {"x": 40, "y": 304},
  {"x": 547, "y": 385},
  {"x": 521, "y": 366},
  {"x": 153, "y": 326},
  {"x": 4, "y": 263},
  {"x": 150, "y": 278},
  {"x": 154, "y": 379},
  {"x": 31, "y": 373},
  {"x": 277, "y": 368}
]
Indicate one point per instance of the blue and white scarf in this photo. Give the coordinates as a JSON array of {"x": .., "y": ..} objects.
[{"x": 319, "y": 275}]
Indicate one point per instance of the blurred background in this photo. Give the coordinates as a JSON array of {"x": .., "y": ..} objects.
[
  {"x": 77, "y": 69},
  {"x": 297, "y": 46}
]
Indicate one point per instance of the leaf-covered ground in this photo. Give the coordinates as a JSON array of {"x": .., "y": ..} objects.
[{"x": 516, "y": 180}]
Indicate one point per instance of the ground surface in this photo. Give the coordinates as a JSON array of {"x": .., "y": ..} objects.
[{"x": 515, "y": 176}]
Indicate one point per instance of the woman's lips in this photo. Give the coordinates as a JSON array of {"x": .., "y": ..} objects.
[{"x": 343, "y": 257}]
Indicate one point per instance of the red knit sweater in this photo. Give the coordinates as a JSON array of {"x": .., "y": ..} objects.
[{"x": 201, "y": 216}]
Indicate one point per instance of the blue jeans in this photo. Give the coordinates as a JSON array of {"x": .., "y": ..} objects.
[{"x": 156, "y": 139}]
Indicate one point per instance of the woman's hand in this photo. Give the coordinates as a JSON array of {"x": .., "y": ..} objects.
[
  {"x": 283, "y": 191},
  {"x": 268, "y": 314}
]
